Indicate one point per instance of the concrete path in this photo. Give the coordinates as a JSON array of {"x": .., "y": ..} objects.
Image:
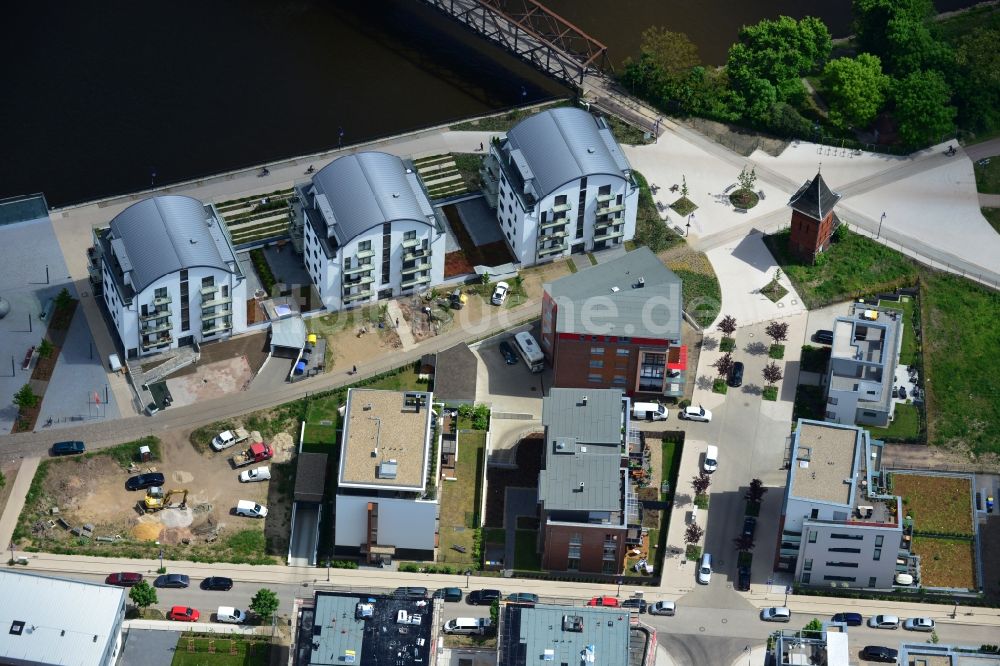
[
  {"x": 989, "y": 200},
  {"x": 403, "y": 329},
  {"x": 15, "y": 502}
]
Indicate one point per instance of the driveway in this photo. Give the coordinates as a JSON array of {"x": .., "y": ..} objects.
[
  {"x": 149, "y": 647},
  {"x": 509, "y": 388}
]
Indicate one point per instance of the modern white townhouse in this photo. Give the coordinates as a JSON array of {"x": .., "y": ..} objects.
[
  {"x": 370, "y": 231},
  {"x": 560, "y": 183},
  {"x": 169, "y": 275}
]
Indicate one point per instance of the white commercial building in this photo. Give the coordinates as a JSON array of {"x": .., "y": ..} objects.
[
  {"x": 840, "y": 528},
  {"x": 170, "y": 276},
  {"x": 59, "y": 621},
  {"x": 370, "y": 231},
  {"x": 385, "y": 506},
  {"x": 560, "y": 183}
]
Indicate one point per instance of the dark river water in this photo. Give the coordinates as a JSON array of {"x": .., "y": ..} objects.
[{"x": 100, "y": 96}]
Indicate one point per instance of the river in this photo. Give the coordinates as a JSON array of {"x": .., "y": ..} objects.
[{"x": 109, "y": 97}]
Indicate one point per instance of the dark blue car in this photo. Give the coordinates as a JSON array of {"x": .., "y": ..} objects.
[
  {"x": 67, "y": 448},
  {"x": 850, "y": 619}
]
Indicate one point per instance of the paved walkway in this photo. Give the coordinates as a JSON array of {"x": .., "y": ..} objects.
[
  {"x": 989, "y": 200},
  {"x": 403, "y": 329},
  {"x": 15, "y": 501}
]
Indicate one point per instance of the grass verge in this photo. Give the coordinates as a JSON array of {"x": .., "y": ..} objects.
[
  {"x": 938, "y": 504},
  {"x": 905, "y": 426},
  {"x": 460, "y": 501},
  {"x": 195, "y": 652},
  {"x": 525, "y": 556},
  {"x": 946, "y": 562}
]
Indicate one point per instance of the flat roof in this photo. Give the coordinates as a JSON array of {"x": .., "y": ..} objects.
[
  {"x": 455, "y": 371},
  {"x": 927, "y": 654},
  {"x": 377, "y": 638},
  {"x": 824, "y": 457},
  {"x": 289, "y": 332},
  {"x": 34, "y": 631},
  {"x": 382, "y": 427},
  {"x": 310, "y": 477},
  {"x": 564, "y": 635}
]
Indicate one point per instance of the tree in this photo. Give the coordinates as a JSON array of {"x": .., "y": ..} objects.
[
  {"x": 977, "y": 79},
  {"x": 693, "y": 533},
  {"x": 855, "y": 90},
  {"x": 872, "y": 18},
  {"x": 701, "y": 483},
  {"x": 777, "y": 331},
  {"x": 724, "y": 364},
  {"x": 265, "y": 603},
  {"x": 684, "y": 186},
  {"x": 922, "y": 108},
  {"x": 813, "y": 625},
  {"x": 651, "y": 232},
  {"x": 777, "y": 50},
  {"x": 25, "y": 398},
  {"x": 744, "y": 543},
  {"x": 727, "y": 325},
  {"x": 143, "y": 595},
  {"x": 672, "y": 52},
  {"x": 755, "y": 493},
  {"x": 772, "y": 373},
  {"x": 747, "y": 181},
  {"x": 63, "y": 299},
  {"x": 45, "y": 348}
]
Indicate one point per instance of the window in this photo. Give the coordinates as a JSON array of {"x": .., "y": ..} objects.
[
  {"x": 597, "y": 364},
  {"x": 208, "y": 281},
  {"x": 807, "y": 565},
  {"x": 623, "y": 351},
  {"x": 831, "y": 415},
  {"x": 812, "y": 536},
  {"x": 832, "y": 401},
  {"x": 814, "y": 514},
  {"x": 347, "y": 263},
  {"x": 597, "y": 350},
  {"x": 852, "y": 537},
  {"x": 410, "y": 235},
  {"x": 806, "y": 577},
  {"x": 844, "y": 550},
  {"x": 878, "y": 554},
  {"x": 575, "y": 539},
  {"x": 161, "y": 292},
  {"x": 845, "y": 579},
  {"x": 595, "y": 379},
  {"x": 651, "y": 369},
  {"x": 573, "y": 564},
  {"x": 574, "y": 551},
  {"x": 878, "y": 540},
  {"x": 872, "y": 581},
  {"x": 609, "y": 567},
  {"x": 619, "y": 380},
  {"x": 364, "y": 246},
  {"x": 848, "y": 565}
]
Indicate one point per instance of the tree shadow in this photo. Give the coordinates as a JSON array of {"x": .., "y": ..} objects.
[
  {"x": 756, "y": 348},
  {"x": 709, "y": 343},
  {"x": 753, "y": 389},
  {"x": 682, "y": 499},
  {"x": 705, "y": 382}
]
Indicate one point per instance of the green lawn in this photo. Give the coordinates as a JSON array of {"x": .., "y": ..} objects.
[
  {"x": 814, "y": 359},
  {"x": 988, "y": 177},
  {"x": 908, "y": 352},
  {"x": 904, "y": 427},
  {"x": 403, "y": 381},
  {"x": 670, "y": 462},
  {"x": 702, "y": 295},
  {"x": 525, "y": 557},
  {"x": 460, "y": 500},
  {"x": 961, "y": 370},
  {"x": 992, "y": 216},
  {"x": 853, "y": 266},
  {"x": 810, "y": 403},
  {"x": 202, "y": 657}
]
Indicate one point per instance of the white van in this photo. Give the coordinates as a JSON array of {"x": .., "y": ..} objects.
[
  {"x": 250, "y": 509},
  {"x": 705, "y": 569},
  {"x": 230, "y": 615},
  {"x": 711, "y": 459},
  {"x": 468, "y": 625},
  {"x": 651, "y": 411},
  {"x": 904, "y": 579}
]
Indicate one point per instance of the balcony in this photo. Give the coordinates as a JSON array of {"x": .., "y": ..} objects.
[
  {"x": 417, "y": 267},
  {"x": 365, "y": 254},
  {"x": 350, "y": 298},
  {"x": 609, "y": 209},
  {"x": 416, "y": 253},
  {"x": 561, "y": 208},
  {"x": 364, "y": 268},
  {"x": 357, "y": 282},
  {"x": 609, "y": 235},
  {"x": 155, "y": 313},
  {"x": 411, "y": 242},
  {"x": 223, "y": 312},
  {"x": 561, "y": 222},
  {"x": 218, "y": 326},
  {"x": 605, "y": 198},
  {"x": 208, "y": 290},
  {"x": 553, "y": 236},
  {"x": 545, "y": 251},
  {"x": 413, "y": 282},
  {"x": 215, "y": 300},
  {"x": 166, "y": 300},
  {"x": 149, "y": 329},
  {"x": 156, "y": 343}
]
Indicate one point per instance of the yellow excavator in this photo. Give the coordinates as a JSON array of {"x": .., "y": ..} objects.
[{"x": 156, "y": 499}]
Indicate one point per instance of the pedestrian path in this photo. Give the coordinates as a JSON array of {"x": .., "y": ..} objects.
[
  {"x": 15, "y": 501},
  {"x": 395, "y": 317}
]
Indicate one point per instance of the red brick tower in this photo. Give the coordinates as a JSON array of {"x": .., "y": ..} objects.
[{"x": 813, "y": 219}]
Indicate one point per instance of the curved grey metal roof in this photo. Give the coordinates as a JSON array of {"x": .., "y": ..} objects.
[
  {"x": 165, "y": 234},
  {"x": 564, "y": 144},
  {"x": 368, "y": 189}
]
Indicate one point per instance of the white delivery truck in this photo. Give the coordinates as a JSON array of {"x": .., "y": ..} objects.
[{"x": 649, "y": 411}]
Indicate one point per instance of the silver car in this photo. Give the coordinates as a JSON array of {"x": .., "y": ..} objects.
[
  {"x": 919, "y": 624},
  {"x": 662, "y": 608}
]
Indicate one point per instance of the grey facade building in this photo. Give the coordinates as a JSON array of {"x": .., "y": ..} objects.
[
  {"x": 928, "y": 654},
  {"x": 863, "y": 361},
  {"x": 839, "y": 526},
  {"x": 563, "y": 635},
  {"x": 48, "y": 620},
  {"x": 828, "y": 646}
]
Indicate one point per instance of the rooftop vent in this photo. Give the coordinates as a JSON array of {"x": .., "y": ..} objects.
[
  {"x": 615, "y": 290},
  {"x": 584, "y": 400},
  {"x": 192, "y": 241},
  {"x": 640, "y": 283},
  {"x": 368, "y": 406},
  {"x": 16, "y": 627},
  {"x": 395, "y": 195},
  {"x": 387, "y": 470},
  {"x": 590, "y": 150},
  {"x": 572, "y": 623}
]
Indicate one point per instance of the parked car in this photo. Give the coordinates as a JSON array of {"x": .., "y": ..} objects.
[
  {"x": 606, "y": 601},
  {"x": 705, "y": 569},
  {"x": 68, "y": 448},
  {"x": 639, "y": 604},
  {"x": 411, "y": 592},
  {"x": 250, "y": 509},
  {"x": 183, "y": 614},
  {"x": 500, "y": 293},
  {"x": 662, "y": 608},
  {"x": 457, "y": 300},
  {"x": 883, "y": 622},
  {"x": 256, "y": 474},
  {"x": 736, "y": 375},
  {"x": 880, "y": 653},
  {"x": 124, "y": 579},
  {"x": 823, "y": 336},
  {"x": 692, "y": 413},
  {"x": 749, "y": 526},
  {"x": 230, "y": 615},
  {"x": 508, "y": 353},
  {"x": 448, "y": 594},
  {"x": 776, "y": 614},
  {"x": 649, "y": 411},
  {"x": 217, "y": 583},
  {"x": 743, "y": 578},
  {"x": 172, "y": 580},
  {"x": 850, "y": 619},
  {"x": 482, "y": 597},
  {"x": 904, "y": 579},
  {"x": 522, "y": 598},
  {"x": 143, "y": 481},
  {"x": 919, "y": 624},
  {"x": 711, "y": 462}
]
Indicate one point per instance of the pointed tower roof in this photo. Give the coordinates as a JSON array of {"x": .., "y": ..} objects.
[{"x": 814, "y": 199}]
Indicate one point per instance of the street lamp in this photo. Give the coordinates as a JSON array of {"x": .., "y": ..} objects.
[
  {"x": 879, "y": 234},
  {"x": 690, "y": 217},
  {"x": 12, "y": 555},
  {"x": 656, "y": 130},
  {"x": 161, "y": 560},
  {"x": 328, "y": 569},
  {"x": 619, "y": 593},
  {"x": 788, "y": 588},
  {"x": 468, "y": 572}
]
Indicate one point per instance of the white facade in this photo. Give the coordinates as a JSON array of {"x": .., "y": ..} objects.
[{"x": 560, "y": 184}]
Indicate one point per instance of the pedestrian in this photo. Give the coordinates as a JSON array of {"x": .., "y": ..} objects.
[
  {"x": 397, "y": 322},
  {"x": 480, "y": 146},
  {"x": 354, "y": 369}
]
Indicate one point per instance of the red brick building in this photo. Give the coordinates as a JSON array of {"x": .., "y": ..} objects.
[
  {"x": 813, "y": 219},
  {"x": 617, "y": 325}
]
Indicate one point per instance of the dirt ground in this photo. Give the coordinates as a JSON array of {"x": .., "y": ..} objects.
[
  {"x": 212, "y": 380},
  {"x": 91, "y": 491},
  {"x": 346, "y": 348},
  {"x": 252, "y": 347},
  {"x": 10, "y": 474}
]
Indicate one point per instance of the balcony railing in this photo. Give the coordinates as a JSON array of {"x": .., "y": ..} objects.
[
  {"x": 561, "y": 208},
  {"x": 609, "y": 235},
  {"x": 156, "y": 313},
  {"x": 413, "y": 282},
  {"x": 605, "y": 198},
  {"x": 350, "y": 298},
  {"x": 220, "y": 325},
  {"x": 416, "y": 253},
  {"x": 208, "y": 290},
  {"x": 166, "y": 300},
  {"x": 357, "y": 282},
  {"x": 225, "y": 312},
  {"x": 545, "y": 251},
  {"x": 411, "y": 242},
  {"x": 216, "y": 300},
  {"x": 561, "y": 222},
  {"x": 155, "y": 328},
  {"x": 416, "y": 268},
  {"x": 553, "y": 236},
  {"x": 607, "y": 210},
  {"x": 365, "y": 254},
  {"x": 364, "y": 268},
  {"x": 160, "y": 341}
]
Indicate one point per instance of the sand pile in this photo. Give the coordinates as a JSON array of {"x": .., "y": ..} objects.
[{"x": 147, "y": 531}]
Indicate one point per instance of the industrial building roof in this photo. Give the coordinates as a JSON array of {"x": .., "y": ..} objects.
[
  {"x": 386, "y": 440},
  {"x": 634, "y": 295},
  {"x": 561, "y": 145},
  {"x": 369, "y": 631},
  {"x": 164, "y": 234},
  {"x": 583, "y": 438},
  {"x": 57, "y": 621},
  {"x": 564, "y": 635},
  {"x": 455, "y": 372},
  {"x": 814, "y": 198},
  {"x": 289, "y": 332},
  {"x": 365, "y": 190}
]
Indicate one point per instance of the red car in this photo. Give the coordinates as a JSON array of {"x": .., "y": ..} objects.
[
  {"x": 183, "y": 614},
  {"x": 611, "y": 602},
  {"x": 124, "y": 579}
]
